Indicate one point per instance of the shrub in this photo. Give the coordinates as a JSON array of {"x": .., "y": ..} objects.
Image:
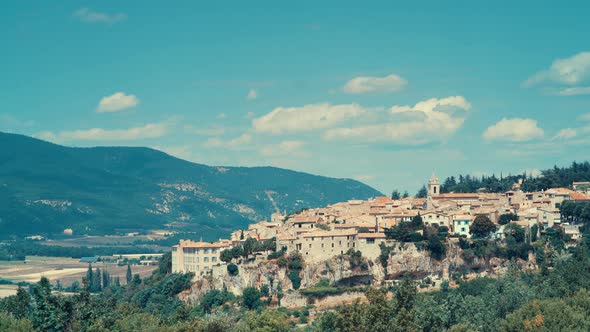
[
  {"x": 251, "y": 298},
  {"x": 295, "y": 279},
  {"x": 232, "y": 269}
]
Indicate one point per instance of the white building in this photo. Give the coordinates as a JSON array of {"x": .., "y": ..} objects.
[{"x": 197, "y": 257}]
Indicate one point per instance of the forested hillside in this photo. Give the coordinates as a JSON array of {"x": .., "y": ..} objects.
[
  {"x": 45, "y": 188},
  {"x": 549, "y": 178}
]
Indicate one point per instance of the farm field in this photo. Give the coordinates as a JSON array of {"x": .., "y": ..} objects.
[{"x": 66, "y": 270}]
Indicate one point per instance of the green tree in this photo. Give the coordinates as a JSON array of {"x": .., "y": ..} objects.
[
  {"x": 90, "y": 277},
  {"x": 506, "y": 218},
  {"x": 13, "y": 324},
  {"x": 129, "y": 275},
  {"x": 482, "y": 226},
  {"x": 422, "y": 193},
  {"x": 251, "y": 298},
  {"x": 232, "y": 269},
  {"x": 395, "y": 195},
  {"x": 96, "y": 280}
]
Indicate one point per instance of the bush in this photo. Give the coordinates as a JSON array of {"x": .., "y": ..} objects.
[
  {"x": 232, "y": 269},
  {"x": 251, "y": 298},
  {"x": 295, "y": 279}
]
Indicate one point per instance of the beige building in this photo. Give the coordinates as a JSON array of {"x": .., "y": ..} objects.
[{"x": 197, "y": 257}]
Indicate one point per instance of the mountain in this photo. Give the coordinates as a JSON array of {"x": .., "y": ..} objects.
[{"x": 45, "y": 188}]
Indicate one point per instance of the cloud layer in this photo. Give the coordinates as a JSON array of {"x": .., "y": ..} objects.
[
  {"x": 513, "y": 130},
  {"x": 150, "y": 130},
  {"x": 88, "y": 16},
  {"x": 427, "y": 121},
  {"x": 306, "y": 118},
  {"x": 368, "y": 84},
  {"x": 117, "y": 102},
  {"x": 569, "y": 71}
]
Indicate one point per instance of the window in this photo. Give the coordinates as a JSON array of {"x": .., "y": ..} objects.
[
  {"x": 206, "y": 259},
  {"x": 332, "y": 245},
  {"x": 462, "y": 229},
  {"x": 213, "y": 251},
  {"x": 310, "y": 245},
  {"x": 206, "y": 251},
  {"x": 370, "y": 241},
  {"x": 214, "y": 259},
  {"x": 322, "y": 245}
]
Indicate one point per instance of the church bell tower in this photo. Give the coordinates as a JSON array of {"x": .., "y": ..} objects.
[{"x": 433, "y": 186}]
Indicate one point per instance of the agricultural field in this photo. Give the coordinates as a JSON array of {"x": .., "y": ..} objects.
[{"x": 66, "y": 270}]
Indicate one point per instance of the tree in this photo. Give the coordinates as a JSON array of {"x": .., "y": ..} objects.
[
  {"x": 165, "y": 264},
  {"x": 106, "y": 279},
  {"x": 395, "y": 195},
  {"x": 129, "y": 275},
  {"x": 251, "y": 298},
  {"x": 13, "y": 324},
  {"x": 90, "y": 277},
  {"x": 506, "y": 218},
  {"x": 482, "y": 226},
  {"x": 232, "y": 269},
  {"x": 136, "y": 280},
  {"x": 417, "y": 221},
  {"x": 422, "y": 193},
  {"x": 406, "y": 195},
  {"x": 96, "y": 281}
]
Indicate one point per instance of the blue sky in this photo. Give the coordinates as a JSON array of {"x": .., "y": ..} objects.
[{"x": 377, "y": 91}]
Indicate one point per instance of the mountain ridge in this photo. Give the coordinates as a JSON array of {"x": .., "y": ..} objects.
[{"x": 46, "y": 187}]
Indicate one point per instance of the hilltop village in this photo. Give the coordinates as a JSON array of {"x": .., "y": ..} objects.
[{"x": 320, "y": 234}]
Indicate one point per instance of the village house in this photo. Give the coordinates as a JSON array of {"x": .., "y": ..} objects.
[{"x": 197, "y": 257}]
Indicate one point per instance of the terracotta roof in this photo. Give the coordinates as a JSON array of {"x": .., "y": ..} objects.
[
  {"x": 201, "y": 244},
  {"x": 330, "y": 233},
  {"x": 576, "y": 196},
  {"x": 371, "y": 235},
  {"x": 456, "y": 196}
]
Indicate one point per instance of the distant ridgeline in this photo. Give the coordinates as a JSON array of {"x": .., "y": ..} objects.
[
  {"x": 557, "y": 177},
  {"x": 46, "y": 188}
]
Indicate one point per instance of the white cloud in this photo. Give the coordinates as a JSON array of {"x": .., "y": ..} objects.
[
  {"x": 252, "y": 94},
  {"x": 367, "y": 84},
  {"x": 88, "y": 16},
  {"x": 515, "y": 130},
  {"x": 306, "y": 118},
  {"x": 117, "y": 102},
  {"x": 428, "y": 121},
  {"x": 150, "y": 130},
  {"x": 585, "y": 117},
  {"x": 237, "y": 142},
  {"x": 434, "y": 105},
  {"x": 291, "y": 148},
  {"x": 567, "y": 133},
  {"x": 574, "y": 91},
  {"x": 222, "y": 116},
  {"x": 568, "y": 71}
]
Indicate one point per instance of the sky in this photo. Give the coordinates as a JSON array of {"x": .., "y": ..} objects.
[{"x": 383, "y": 92}]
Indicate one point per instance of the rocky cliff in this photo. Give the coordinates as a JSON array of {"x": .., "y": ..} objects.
[{"x": 405, "y": 259}]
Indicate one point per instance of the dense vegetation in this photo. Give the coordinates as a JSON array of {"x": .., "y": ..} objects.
[
  {"x": 556, "y": 177},
  {"x": 554, "y": 298},
  {"x": 47, "y": 188}
]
